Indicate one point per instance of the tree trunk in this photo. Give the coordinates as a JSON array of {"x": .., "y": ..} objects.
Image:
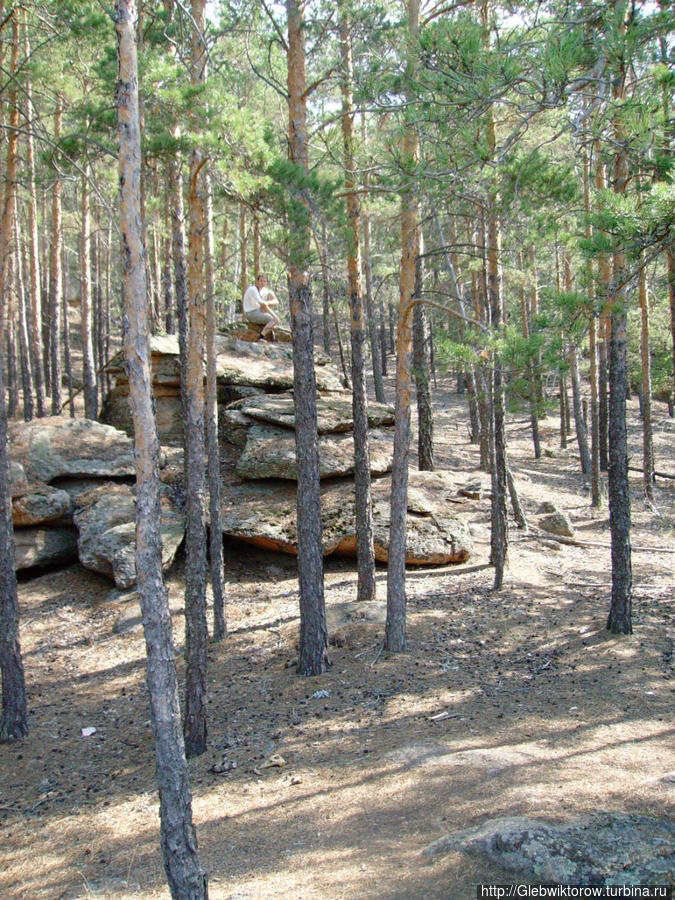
[
  {"x": 425, "y": 412},
  {"x": 67, "y": 358},
  {"x": 256, "y": 249},
  {"x": 363, "y": 506},
  {"x": 395, "y": 628},
  {"x": 580, "y": 427},
  {"x": 313, "y": 653},
  {"x": 212, "y": 445},
  {"x": 371, "y": 312},
  {"x": 596, "y": 487},
  {"x": 14, "y": 715},
  {"x": 88, "y": 369},
  {"x": 647, "y": 438},
  {"x": 55, "y": 285},
  {"x": 35, "y": 337},
  {"x": 243, "y": 251},
  {"x": 179, "y": 842},
  {"x": 325, "y": 310},
  {"x": 619, "y": 620},
  {"x": 23, "y": 327},
  {"x": 196, "y": 634}
]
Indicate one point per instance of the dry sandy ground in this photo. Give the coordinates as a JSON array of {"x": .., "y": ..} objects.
[{"x": 547, "y": 714}]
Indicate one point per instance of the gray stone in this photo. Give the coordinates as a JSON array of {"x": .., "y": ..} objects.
[
  {"x": 44, "y": 547},
  {"x": 59, "y": 446},
  {"x": 106, "y": 521},
  {"x": 602, "y": 849},
  {"x": 557, "y": 523},
  {"x": 270, "y": 453},
  {"x": 265, "y": 515},
  {"x": 334, "y": 411},
  {"x": 18, "y": 483},
  {"x": 42, "y": 503}
]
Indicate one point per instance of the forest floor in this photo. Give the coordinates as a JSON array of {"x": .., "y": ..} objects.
[{"x": 510, "y": 703}]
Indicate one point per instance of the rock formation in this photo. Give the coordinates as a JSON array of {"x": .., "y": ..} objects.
[{"x": 72, "y": 479}]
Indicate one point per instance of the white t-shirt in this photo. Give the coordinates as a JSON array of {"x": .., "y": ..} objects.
[{"x": 252, "y": 298}]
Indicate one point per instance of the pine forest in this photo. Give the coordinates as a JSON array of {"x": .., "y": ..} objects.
[{"x": 337, "y": 449}]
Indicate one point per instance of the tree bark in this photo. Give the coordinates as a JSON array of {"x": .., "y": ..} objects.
[
  {"x": 35, "y": 337},
  {"x": 395, "y": 628},
  {"x": 88, "y": 369},
  {"x": 179, "y": 843},
  {"x": 196, "y": 634},
  {"x": 14, "y": 715},
  {"x": 421, "y": 368},
  {"x": 647, "y": 436},
  {"x": 23, "y": 327},
  {"x": 55, "y": 284},
  {"x": 67, "y": 359},
  {"x": 363, "y": 506},
  {"x": 212, "y": 445},
  {"x": 313, "y": 653},
  {"x": 619, "y": 620}
]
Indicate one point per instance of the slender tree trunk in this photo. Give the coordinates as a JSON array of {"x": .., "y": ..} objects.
[
  {"x": 23, "y": 328},
  {"x": 167, "y": 288},
  {"x": 14, "y": 715},
  {"x": 256, "y": 248},
  {"x": 425, "y": 412},
  {"x": 35, "y": 337},
  {"x": 596, "y": 488},
  {"x": 45, "y": 270},
  {"x": 194, "y": 724},
  {"x": 212, "y": 445},
  {"x": 619, "y": 620},
  {"x": 67, "y": 359},
  {"x": 178, "y": 838},
  {"x": 580, "y": 427},
  {"x": 371, "y": 312},
  {"x": 395, "y": 628},
  {"x": 363, "y": 506},
  {"x": 313, "y": 655},
  {"x": 325, "y": 312},
  {"x": 605, "y": 277},
  {"x": 12, "y": 361},
  {"x": 179, "y": 273},
  {"x": 647, "y": 438},
  {"x": 243, "y": 250},
  {"x": 89, "y": 372},
  {"x": 55, "y": 286}
]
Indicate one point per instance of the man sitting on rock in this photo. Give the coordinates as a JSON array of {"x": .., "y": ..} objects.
[{"x": 257, "y": 302}]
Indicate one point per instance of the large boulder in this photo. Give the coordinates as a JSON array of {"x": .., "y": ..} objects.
[
  {"x": 18, "y": 483},
  {"x": 264, "y": 513},
  {"x": 334, "y": 411},
  {"x": 41, "y": 503},
  {"x": 106, "y": 521},
  {"x": 270, "y": 453},
  {"x": 59, "y": 446},
  {"x": 44, "y": 547},
  {"x": 603, "y": 849}
]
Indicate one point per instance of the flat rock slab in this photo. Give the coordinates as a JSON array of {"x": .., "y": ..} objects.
[
  {"x": 265, "y": 515},
  {"x": 334, "y": 412},
  {"x": 60, "y": 446},
  {"x": 44, "y": 547},
  {"x": 264, "y": 364},
  {"x": 106, "y": 521},
  {"x": 603, "y": 849},
  {"x": 41, "y": 503},
  {"x": 270, "y": 453}
]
